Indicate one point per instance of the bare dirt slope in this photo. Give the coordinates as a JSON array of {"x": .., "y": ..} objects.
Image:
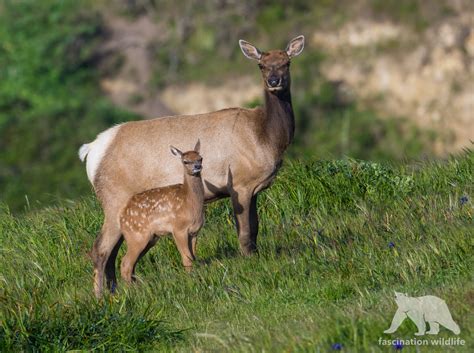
[
  {"x": 426, "y": 76},
  {"x": 128, "y": 43},
  {"x": 128, "y": 46}
]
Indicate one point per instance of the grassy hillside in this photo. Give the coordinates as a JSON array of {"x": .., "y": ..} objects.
[
  {"x": 52, "y": 60},
  {"x": 337, "y": 239}
]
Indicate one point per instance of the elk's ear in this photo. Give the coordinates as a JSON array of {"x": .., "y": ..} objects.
[
  {"x": 198, "y": 146},
  {"x": 176, "y": 152},
  {"x": 295, "y": 46},
  {"x": 249, "y": 50}
]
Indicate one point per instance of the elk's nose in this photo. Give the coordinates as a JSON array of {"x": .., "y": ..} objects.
[
  {"x": 273, "y": 81},
  {"x": 197, "y": 168}
]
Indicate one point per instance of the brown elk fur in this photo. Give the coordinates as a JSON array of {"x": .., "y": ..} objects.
[
  {"x": 175, "y": 209},
  {"x": 243, "y": 149}
]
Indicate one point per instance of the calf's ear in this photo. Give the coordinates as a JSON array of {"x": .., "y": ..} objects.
[
  {"x": 197, "y": 147},
  {"x": 176, "y": 152}
]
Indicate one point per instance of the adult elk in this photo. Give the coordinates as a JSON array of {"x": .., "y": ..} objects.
[{"x": 243, "y": 149}]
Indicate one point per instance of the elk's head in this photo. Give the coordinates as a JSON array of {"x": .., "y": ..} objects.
[
  {"x": 274, "y": 64},
  {"x": 192, "y": 160}
]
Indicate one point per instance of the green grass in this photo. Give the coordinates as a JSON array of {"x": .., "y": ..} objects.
[{"x": 325, "y": 273}]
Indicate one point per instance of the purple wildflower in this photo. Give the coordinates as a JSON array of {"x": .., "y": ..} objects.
[
  {"x": 391, "y": 245},
  {"x": 337, "y": 346},
  {"x": 463, "y": 200},
  {"x": 398, "y": 345}
]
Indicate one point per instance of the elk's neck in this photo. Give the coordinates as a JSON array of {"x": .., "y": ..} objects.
[
  {"x": 193, "y": 188},
  {"x": 280, "y": 120}
]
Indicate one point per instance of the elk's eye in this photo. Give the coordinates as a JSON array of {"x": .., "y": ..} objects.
[{"x": 260, "y": 66}]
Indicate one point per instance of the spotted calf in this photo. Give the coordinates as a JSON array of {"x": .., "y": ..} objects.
[{"x": 177, "y": 209}]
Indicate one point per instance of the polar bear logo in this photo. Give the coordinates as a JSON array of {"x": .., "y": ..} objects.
[{"x": 420, "y": 310}]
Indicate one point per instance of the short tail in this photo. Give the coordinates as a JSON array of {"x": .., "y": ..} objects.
[{"x": 84, "y": 151}]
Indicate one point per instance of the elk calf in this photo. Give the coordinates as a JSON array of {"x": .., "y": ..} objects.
[{"x": 177, "y": 209}]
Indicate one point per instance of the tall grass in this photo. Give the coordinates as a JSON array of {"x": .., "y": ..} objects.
[{"x": 337, "y": 239}]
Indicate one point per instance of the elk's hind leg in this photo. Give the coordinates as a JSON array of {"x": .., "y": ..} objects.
[
  {"x": 193, "y": 245},
  {"x": 110, "y": 275},
  {"x": 103, "y": 247}
]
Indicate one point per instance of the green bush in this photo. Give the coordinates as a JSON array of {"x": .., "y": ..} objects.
[{"x": 50, "y": 101}]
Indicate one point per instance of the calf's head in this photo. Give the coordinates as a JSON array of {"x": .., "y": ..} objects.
[{"x": 192, "y": 160}]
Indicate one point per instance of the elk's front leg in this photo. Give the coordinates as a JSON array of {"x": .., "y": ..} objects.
[{"x": 246, "y": 220}]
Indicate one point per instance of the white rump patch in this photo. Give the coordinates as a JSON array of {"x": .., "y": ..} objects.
[
  {"x": 83, "y": 151},
  {"x": 95, "y": 151}
]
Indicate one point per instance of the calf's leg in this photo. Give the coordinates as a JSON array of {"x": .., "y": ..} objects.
[
  {"x": 134, "y": 250},
  {"x": 184, "y": 244}
]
